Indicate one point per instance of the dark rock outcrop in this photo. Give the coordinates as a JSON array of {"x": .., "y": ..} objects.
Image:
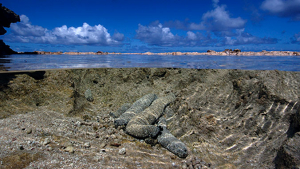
[
  {"x": 236, "y": 51},
  {"x": 289, "y": 154},
  {"x": 5, "y": 49},
  {"x": 7, "y": 17}
]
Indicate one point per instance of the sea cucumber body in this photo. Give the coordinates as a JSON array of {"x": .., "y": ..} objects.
[
  {"x": 141, "y": 125},
  {"x": 136, "y": 108},
  {"x": 170, "y": 142}
]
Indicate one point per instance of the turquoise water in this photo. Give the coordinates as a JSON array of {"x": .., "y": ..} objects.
[{"x": 43, "y": 62}]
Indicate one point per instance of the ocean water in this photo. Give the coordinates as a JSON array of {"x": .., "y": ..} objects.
[{"x": 44, "y": 62}]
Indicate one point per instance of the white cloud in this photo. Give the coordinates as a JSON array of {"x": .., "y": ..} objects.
[
  {"x": 25, "y": 28},
  {"x": 296, "y": 38},
  {"x": 162, "y": 36},
  {"x": 215, "y": 20},
  {"x": 155, "y": 35},
  {"x": 220, "y": 20},
  {"x": 283, "y": 8},
  {"x": 84, "y": 35},
  {"x": 215, "y": 3},
  {"x": 244, "y": 38}
]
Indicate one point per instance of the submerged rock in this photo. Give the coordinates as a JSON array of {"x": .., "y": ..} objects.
[
  {"x": 141, "y": 125},
  {"x": 289, "y": 154},
  {"x": 136, "y": 108},
  {"x": 88, "y": 95}
]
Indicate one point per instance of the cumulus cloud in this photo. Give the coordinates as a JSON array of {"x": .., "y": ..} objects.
[
  {"x": 162, "y": 36},
  {"x": 84, "y": 35},
  {"x": 226, "y": 30},
  {"x": 220, "y": 20},
  {"x": 25, "y": 28},
  {"x": 296, "y": 38},
  {"x": 283, "y": 8},
  {"x": 215, "y": 20},
  {"x": 156, "y": 35},
  {"x": 244, "y": 38}
]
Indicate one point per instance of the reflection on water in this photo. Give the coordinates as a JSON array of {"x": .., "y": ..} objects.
[
  {"x": 4, "y": 60},
  {"x": 38, "y": 62}
]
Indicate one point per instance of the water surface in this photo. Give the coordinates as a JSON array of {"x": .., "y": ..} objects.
[{"x": 43, "y": 62}]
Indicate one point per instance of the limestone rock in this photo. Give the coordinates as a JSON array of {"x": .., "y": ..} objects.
[
  {"x": 69, "y": 149},
  {"x": 122, "y": 151}
]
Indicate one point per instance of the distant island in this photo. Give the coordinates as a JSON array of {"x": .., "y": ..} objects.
[{"x": 226, "y": 52}]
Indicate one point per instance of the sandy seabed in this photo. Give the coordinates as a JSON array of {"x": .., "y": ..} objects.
[{"x": 226, "y": 118}]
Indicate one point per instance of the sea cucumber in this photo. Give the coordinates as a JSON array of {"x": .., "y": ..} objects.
[
  {"x": 170, "y": 142},
  {"x": 141, "y": 125},
  {"x": 136, "y": 108}
]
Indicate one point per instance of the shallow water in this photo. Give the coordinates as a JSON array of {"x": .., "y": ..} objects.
[{"x": 42, "y": 62}]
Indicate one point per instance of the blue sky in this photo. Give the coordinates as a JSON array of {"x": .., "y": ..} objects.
[{"x": 155, "y": 26}]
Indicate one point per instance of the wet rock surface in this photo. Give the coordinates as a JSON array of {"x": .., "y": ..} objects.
[{"x": 226, "y": 118}]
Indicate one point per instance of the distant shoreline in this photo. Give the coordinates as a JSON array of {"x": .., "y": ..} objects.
[{"x": 226, "y": 52}]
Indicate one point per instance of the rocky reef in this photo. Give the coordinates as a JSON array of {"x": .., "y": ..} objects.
[
  {"x": 225, "y": 118},
  {"x": 7, "y": 17}
]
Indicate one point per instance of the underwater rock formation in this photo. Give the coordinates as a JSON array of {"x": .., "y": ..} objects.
[
  {"x": 141, "y": 125},
  {"x": 136, "y": 108},
  {"x": 289, "y": 154},
  {"x": 226, "y": 118},
  {"x": 170, "y": 142}
]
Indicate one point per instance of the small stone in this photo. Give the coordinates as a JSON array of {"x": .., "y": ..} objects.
[
  {"x": 49, "y": 148},
  {"x": 197, "y": 166},
  {"x": 113, "y": 136},
  {"x": 102, "y": 145},
  {"x": 46, "y": 141},
  {"x": 122, "y": 151},
  {"x": 70, "y": 149},
  {"x": 87, "y": 145},
  {"x": 28, "y": 131},
  {"x": 21, "y": 147},
  {"x": 66, "y": 144},
  {"x": 115, "y": 144},
  {"x": 184, "y": 166},
  {"x": 78, "y": 123},
  {"x": 88, "y": 95}
]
